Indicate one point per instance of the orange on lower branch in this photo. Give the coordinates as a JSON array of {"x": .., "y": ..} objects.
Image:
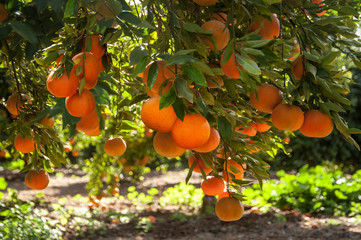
[
  {"x": 213, "y": 186},
  {"x": 198, "y": 164},
  {"x": 267, "y": 97},
  {"x": 37, "y": 179},
  {"x": 24, "y": 144},
  {"x": 80, "y": 105},
  {"x": 220, "y": 34},
  {"x": 115, "y": 147},
  {"x": 229, "y": 209},
  {"x": 164, "y": 145},
  {"x": 287, "y": 117},
  {"x": 212, "y": 143},
  {"x": 316, "y": 124}
]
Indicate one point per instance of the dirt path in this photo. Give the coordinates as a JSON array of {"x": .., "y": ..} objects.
[{"x": 286, "y": 225}]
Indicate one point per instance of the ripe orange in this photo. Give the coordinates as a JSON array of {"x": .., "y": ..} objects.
[
  {"x": 115, "y": 147},
  {"x": 96, "y": 49},
  {"x": 67, "y": 148},
  {"x": 170, "y": 71},
  {"x": 154, "y": 91},
  {"x": 213, "y": 186},
  {"x": 158, "y": 120},
  {"x": 75, "y": 153},
  {"x": 89, "y": 121},
  {"x": 48, "y": 121},
  {"x": 268, "y": 29},
  {"x": 230, "y": 68},
  {"x": 229, "y": 178},
  {"x": 4, "y": 13},
  {"x": 211, "y": 144},
  {"x": 287, "y": 117},
  {"x": 250, "y": 131},
  {"x": 92, "y": 132},
  {"x": 80, "y": 105},
  {"x": 220, "y": 34},
  {"x": 37, "y": 179},
  {"x": 24, "y": 144},
  {"x": 239, "y": 167},
  {"x": 319, "y": 2},
  {"x": 2, "y": 153},
  {"x": 267, "y": 98},
  {"x": 164, "y": 145},
  {"x": 198, "y": 164},
  {"x": 217, "y": 79},
  {"x": 262, "y": 127},
  {"x": 229, "y": 209},
  {"x": 316, "y": 124},
  {"x": 15, "y": 103},
  {"x": 90, "y": 68},
  {"x": 220, "y": 16},
  {"x": 295, "y": 52},
  {"x": 297, "y": 68},
  {"x": 192, "y": 132},
  {"x": 63, "y": 86},
  {"x": 205, "y": 3}
]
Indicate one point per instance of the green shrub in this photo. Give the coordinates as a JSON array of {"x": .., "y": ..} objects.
[{"x": 313, "y": 190}]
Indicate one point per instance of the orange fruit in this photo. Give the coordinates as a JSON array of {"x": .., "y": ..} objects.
[
  {"x": 170, "y": 71},
  {"x": 115, "y": 147},
  {"x": 213, "y": 186},
  {"x": 319, "y": 2},
  {"x": 96, "y": 49},
  {"x": 220, "y": 34},
  {"x": 267, "y": 98},
  {"x": 297, "y": 68},
  {"x": 222, "y": 17},
  {"x": 250, "y": 131},
  {"x": 164, "y": 145},
  {"x": 295, "y": 52},
  {"x": 72, "y": 141},
  {"x": 217, "y": 79},
  {"x": 67, "y": 148},
  {"x": 154, "y": 91},
  {"x": 268, "y": 29},
  {"x": 2, "y": 153},
  {"x": 90, "y": 68},
  {"x": 37, "y": 179},
  {"x": 158, "y": 120},
  {"x": 286, "y": 140},
  {"x": 230, "y": 68},
  {"x": 24, "y": 144},
  {"x": 15, "y": 103},
  {"x": 205, "y": 3},
  {"x": 92, "y": 132},
  {"x": 75, "y": 153},
  {"x": 4, "y": 13},
  {"x": 239, "y": 167},
  {"x": 80, "y": 105},
  {"x": 287, "y": 117},
  {"x": 229, "y": 178},
  {"x": 63, "y": 86},
  {"x": 316, "y": 124},
  {"x": 225, "y": 194},
  {"x": 211, "y": 144},
  {"x": 262, "y": 127},
  {"x": 192, "y": 132},
  {"x": 229, "y": 209},
  {"x": 198, "y": 164},
  {"x": 47, "y": 121},
  {"x": 89, "y": 121}
]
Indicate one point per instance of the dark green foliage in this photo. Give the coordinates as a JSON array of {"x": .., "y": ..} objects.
[{"x": 313, "y": 190}]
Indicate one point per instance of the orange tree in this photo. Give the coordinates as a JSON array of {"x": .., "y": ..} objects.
[{"x": 219, "y": 74}]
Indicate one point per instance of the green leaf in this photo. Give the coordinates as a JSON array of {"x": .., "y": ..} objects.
[
  {"x": 182, "y": 89},
  {"x": 167, "y": 99},
  {"x": 3, "y": 183},
  {"x": 129, "y": 17},
  {"x": 195, "y": 75},
  {"x": 137, "y": 55},
  {"x": 189, "y": 175},
  {"x": 142, "y": 64},
  {"x": 224, "y": 128},
  {"x": 69, "y": 8},
  {"x": 207, "y": 96},
  {"x": 195, "y": 28},
  {"x": 25, "y": 31},
  {"x": 152, "y": 75},
  {"x": 182, "y": 59},
  {"x": 179, "y": 108},
  {"x": 203, "y": 67},
  {"x": 248, "y": 64},
  {"x": 228, "y": 52}
]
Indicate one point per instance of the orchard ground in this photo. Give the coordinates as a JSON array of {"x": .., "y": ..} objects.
[{"x": 170, "y": 222}]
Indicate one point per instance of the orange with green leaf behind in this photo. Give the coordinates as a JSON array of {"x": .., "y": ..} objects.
[
  {"x": 164, "y": 145},
  {"x": 24, "y": 144},
  {"x": 226, "y": 194},
  {"x": 215, "y": 82},
  {"x": 89, "y": 121},
  {"x": 96, "y": 49},
  {"x": 237, "y": 169},
  {"x": 250, "y": 130},
  {"x": 230, "y": 68},
  {"x": 287, "y": 117},
  {"x": 297, "y": 68},
  {"x": 316, "y": 124},
  {"x": 212, "y": 142},
  {"x": 92, "y": 132},
  {"x": 48, "y": 121},
  {"x": 192, "y": 132},
  {"x": 220, "y": 34},
  {"x": 3, "y": 12},
  {"x": 115, "y": 146},
  {"x": 90, "y": 68},
  {"x": 198, "y": 164},
  {"x": 158, "y": 120},
  {"x": 267, "y": 97},
  {"x": 229, "y": 209},
  {"x": 63, "y": 86},
  {"x": 37, "y": 180},
  {"x": 213, "y": 186},
  {"x": 16, "y": 102},
  {"x": 262, "y": 127},
  {"x": 80, "y": 105},
  {"x": 205, "y": 3},
  {"x": 267, "y": 29}
]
